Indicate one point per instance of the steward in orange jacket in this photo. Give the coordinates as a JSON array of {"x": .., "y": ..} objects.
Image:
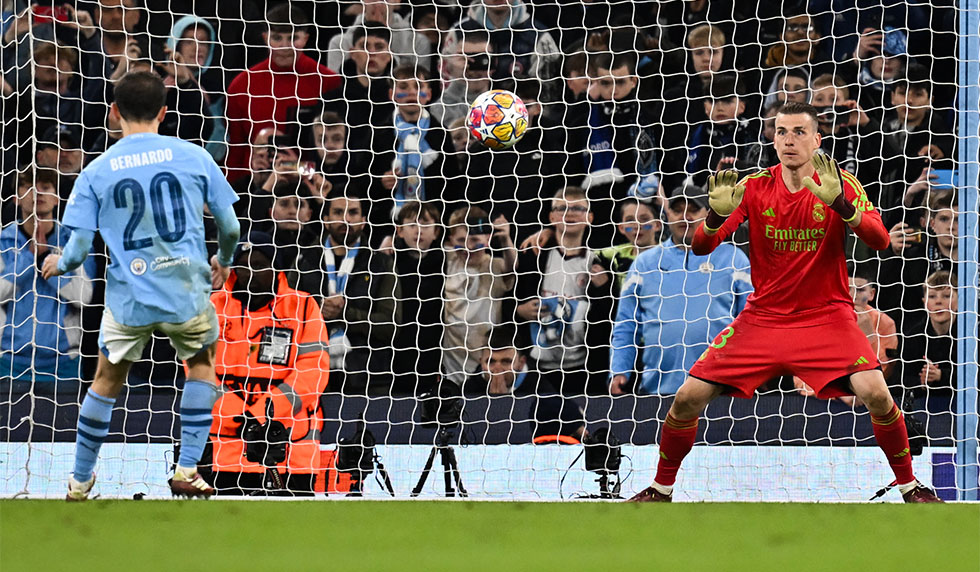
[{"x": 272, "y": 346}]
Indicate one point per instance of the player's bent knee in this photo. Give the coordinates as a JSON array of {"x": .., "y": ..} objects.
[
  {"x": 692, "y": 397},
  {"x": 870, "y": 386}
]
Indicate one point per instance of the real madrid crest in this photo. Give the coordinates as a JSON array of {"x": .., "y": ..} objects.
[{"x": 819, "y": 213}]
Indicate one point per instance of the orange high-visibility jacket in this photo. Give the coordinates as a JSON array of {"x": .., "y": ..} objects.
[{"x": 278, "y": 352}]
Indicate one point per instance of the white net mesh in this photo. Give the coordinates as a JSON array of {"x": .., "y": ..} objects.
[{"x": 495, "y": 280}]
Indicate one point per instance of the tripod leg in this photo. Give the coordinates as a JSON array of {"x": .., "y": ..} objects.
[
  {"x": 447, "y": 467},
  {"x": 386, "y": 478},
  {"x": 455, "y": 469},
  {"x": 425, "y": 473}
]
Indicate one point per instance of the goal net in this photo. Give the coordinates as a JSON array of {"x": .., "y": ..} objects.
[{"x": 517, "y": 320}]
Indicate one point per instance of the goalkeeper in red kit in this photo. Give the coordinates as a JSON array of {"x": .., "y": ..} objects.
[{"x": 800, "y": 320}]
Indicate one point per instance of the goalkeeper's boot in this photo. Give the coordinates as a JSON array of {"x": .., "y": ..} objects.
[
  {"x": 77, "y": 491},
  {"x": 651, "y": 494},
  {"x": 188, "y": 483},
  {"x": 921, "y": 493}
]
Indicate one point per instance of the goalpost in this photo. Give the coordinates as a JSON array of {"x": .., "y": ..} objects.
[{"x": 779, "y": 446}]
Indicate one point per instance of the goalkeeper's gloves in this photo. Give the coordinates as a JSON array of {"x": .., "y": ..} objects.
[
  {"x": 830, "y": 190},
  {"x": 724, "y": 196},
  {"x": 830, "y": 186}
]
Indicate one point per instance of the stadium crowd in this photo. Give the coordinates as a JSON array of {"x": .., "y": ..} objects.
[{"x": 342, "y": 127}]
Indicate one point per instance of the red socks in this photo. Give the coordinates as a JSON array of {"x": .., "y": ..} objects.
[
  {"x": 893, "y": 438},
  {"x": 675, "y": 443}
]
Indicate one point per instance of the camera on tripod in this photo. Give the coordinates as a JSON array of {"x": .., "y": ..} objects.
[
  {"x": 265, "y": 444},
  {"x": 356, "y": 457},
  {"x": 603, "y": 456},
  {"x": 442, "y": 409}
]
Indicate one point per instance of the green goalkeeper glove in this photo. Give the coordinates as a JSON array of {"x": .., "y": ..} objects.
[
  {"x": 724, "y": 192},
  {"x": 830, "y": 186}
]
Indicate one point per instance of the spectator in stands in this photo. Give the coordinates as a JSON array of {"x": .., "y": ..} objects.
[
  {"x": 726, "y": 138},
  {"x": 41, "y": 318},
  {"x": 364, "y": 102},
  {"x": 268, "y": 92},
  {"x": 768, "y": 139},
  {"x": 505, "y": 368},
  {"x": 476, "y": 282},
  {"x": 409, "y": 46},
  {"x": 59, "y": 149},
  {"x": 358, "y": 292},
  {"x": 469, "y": 76},
  {"x": 419, "y": 263},
  {"x": 637, "y": 221},
  {"x": 881, "y": 59},
  {"x": 413, "y": 148},
  {"x": 193, "y": 39},
  {"x": 334, "y": 161},
  {"x": 273, "y": 366},
  {"x": 188, "y": 115},
  {"x": 619, "y": 155},
  {"x": 513, "y": 181},
  {"x": 462, "y": 141},
  {"x": 851, "y": 136},
  {"x": 791, "y": 84},
  {"x": 520, "y": 47},
  {"x": 256, "y": 200},
  {"x": 564, "y": 301},
  {"x": 706, "y": 56},
  {"x": 876, "y": 325},
  {"x": 117, "y": 22},
  {"x": 290, "y": 227},
  {"x": 55, "y": 98},
  {"x": 670, "y": 336},
  {"x": 193, "y": 43},
  {"x": 916, "y": 254},
  {"x": 800, "y": 45},
  {"x": 260, "y": 158},
  {"x": 916, "y": 130},
  {"x": 929, "y": 347},
  {"x": 707, "y": 45},
  {"x": 432, "y": 21}
]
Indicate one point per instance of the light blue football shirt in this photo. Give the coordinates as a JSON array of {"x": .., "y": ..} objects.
[{"x": 146, "y": 197}]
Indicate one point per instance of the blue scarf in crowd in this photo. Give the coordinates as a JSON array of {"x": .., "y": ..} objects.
[
  {"x": 337, "y": 275},
  {"x": 412, "y": 155},
  {"x": 601, "y": 156}
]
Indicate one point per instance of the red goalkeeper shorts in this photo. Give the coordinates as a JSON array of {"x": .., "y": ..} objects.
[{"x": 744, "y": 356}]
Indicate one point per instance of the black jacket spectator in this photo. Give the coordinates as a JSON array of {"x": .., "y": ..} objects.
[
  {"x": 419, "y": 330},
  {"x": 369, "y": 317},
  {"x": 921, "y": 342}
]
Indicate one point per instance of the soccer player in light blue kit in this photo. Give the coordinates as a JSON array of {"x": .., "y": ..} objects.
[{"x": 146, "y": 196}]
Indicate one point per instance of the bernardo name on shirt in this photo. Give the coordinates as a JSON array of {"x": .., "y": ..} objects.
[{"x": 141, "y": 159}]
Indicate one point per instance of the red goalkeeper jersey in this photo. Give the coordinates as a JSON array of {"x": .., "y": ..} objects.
[{"x": 796, "y": 250}]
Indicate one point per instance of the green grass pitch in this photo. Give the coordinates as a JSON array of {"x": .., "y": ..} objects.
[{"x": 201, "y": 536}]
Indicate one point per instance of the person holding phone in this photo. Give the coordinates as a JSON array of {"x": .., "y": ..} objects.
[
  {"x": 915, "y": 254},
  {"x": 852, "y": 136},
  {"x": 915, "y": 131}
]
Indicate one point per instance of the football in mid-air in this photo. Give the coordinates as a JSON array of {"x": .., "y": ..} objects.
[{"x": 497, "y": 118}]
